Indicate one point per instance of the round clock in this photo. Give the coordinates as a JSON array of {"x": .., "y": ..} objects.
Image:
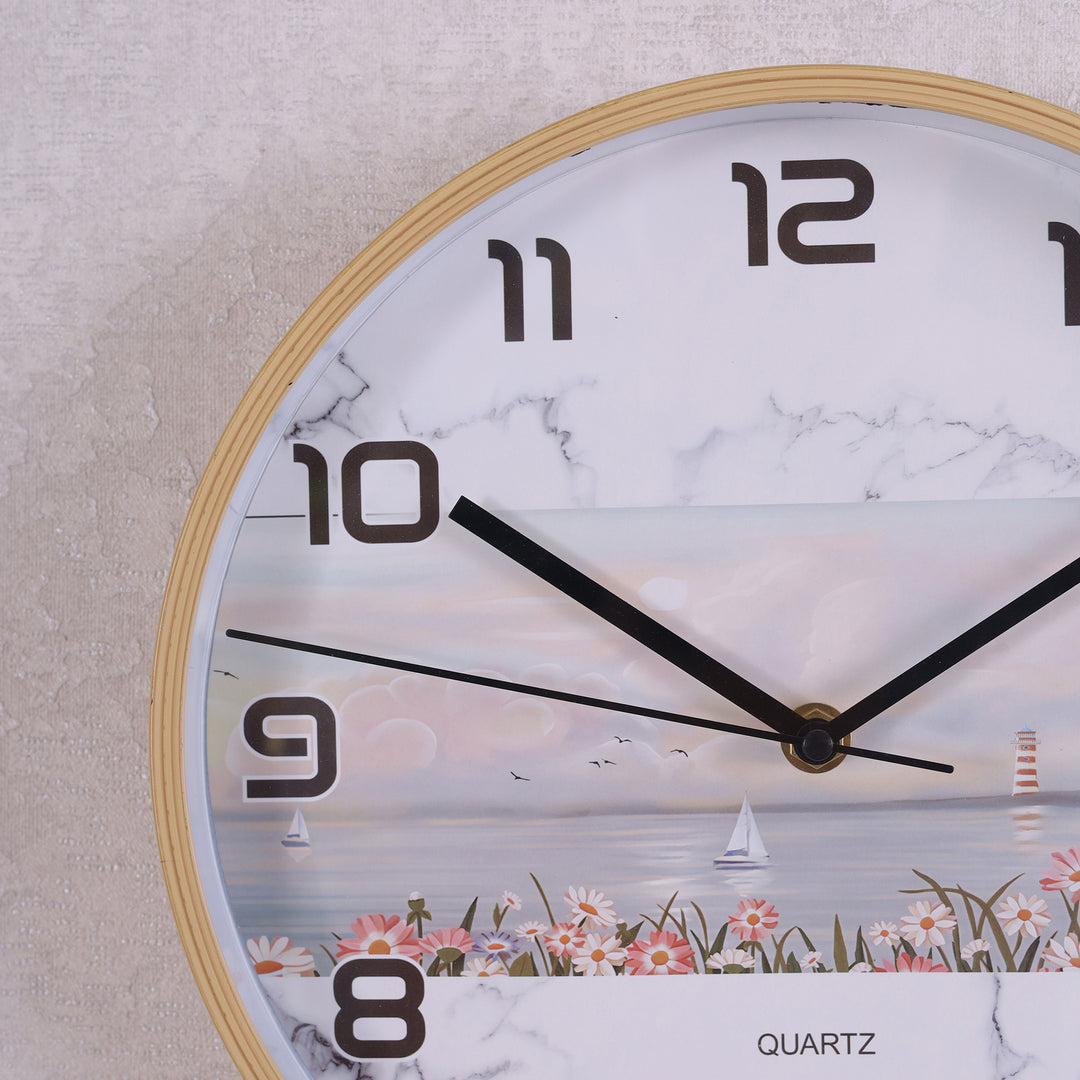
[{"x": 654, "y": 556}]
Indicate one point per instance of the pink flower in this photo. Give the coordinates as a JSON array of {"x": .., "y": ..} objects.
[
  {"x": 377, "y": 935},
  {"x": 753, "y": 919},
  {"x": 1064, "y": 955},
  {"x": 280, "y": 957},
  {"x": 564, "y": 939},
  {"x": 449, "y": 944},
  {"x": 1066, "y": 872},
  {"x": 1020, "y": 914},
  {"x": 905, "y": 963},
  {"x": 663, "y": 954},
  {"x": 926, "y": 922}
]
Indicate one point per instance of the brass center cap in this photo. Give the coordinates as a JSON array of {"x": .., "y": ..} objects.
[{"x": 819, "y": 716}]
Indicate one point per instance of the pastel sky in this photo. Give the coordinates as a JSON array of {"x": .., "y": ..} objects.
[{"x": 811, "y": 603}]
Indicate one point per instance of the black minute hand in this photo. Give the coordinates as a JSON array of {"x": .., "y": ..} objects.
[
  {"x": 659, "y": 639},
  {"x": 956, "y": 650}
]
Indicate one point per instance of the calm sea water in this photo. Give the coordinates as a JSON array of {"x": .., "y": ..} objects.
[{"x": 851, "y": 861}]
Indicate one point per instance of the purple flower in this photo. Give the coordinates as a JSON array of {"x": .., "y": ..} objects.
[{"x": 497, "y": 943}]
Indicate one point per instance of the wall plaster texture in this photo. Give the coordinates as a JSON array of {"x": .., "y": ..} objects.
[{"x": 177, "y": 183}]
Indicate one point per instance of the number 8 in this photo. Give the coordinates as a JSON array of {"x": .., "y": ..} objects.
[{"x": 351, "y": 1008}]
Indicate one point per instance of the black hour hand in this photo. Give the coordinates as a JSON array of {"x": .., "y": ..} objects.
[{"x": 625, "y": 617}]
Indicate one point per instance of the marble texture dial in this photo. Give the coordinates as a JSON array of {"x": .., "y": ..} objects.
[{"x": 791, "y": 388}]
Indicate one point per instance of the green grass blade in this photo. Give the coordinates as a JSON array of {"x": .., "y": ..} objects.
[
  {"x": 547, "y": 906},
  {"x": 718, "y": 941},
  {"x": 862, "y": 950},
  {"x": 997, "y": 932},
  {"x": 700, "y": 945},
  {"x": 1074, "y": 916},
  {"x": 1029, "y": 956},
  {"x": 524, "y": 966},
  {"x": 466, "y": 923},
  {"x": 666, "y": 912},
  {"x": 840, "y": 955},
  {"x": 701, "y": 918}
]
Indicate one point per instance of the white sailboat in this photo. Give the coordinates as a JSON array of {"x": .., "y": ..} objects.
[
  {"x": 745, "y": 848},
  {"x": 297, "y": 842}
]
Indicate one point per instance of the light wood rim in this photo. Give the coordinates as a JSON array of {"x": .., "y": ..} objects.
[{"x": 892, "y": 86}]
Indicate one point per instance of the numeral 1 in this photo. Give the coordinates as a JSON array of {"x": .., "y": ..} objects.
[
  {"x": 514, "y": 288},
  {"x": 1069, "y": 239},
  {"x": 352, "y": 492},
  {"x": 318, "y": 491},
  {"x": 787, "y": 231}
]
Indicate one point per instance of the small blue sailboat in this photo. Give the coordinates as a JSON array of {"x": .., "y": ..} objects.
[
  {"x": 745, "y": 848},
  {"x": 297, "y": 842}
]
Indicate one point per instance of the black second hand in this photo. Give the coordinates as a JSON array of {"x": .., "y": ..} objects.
[{"x": 560, "y": 695}]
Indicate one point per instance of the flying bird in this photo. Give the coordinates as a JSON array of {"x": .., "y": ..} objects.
[
  {"x": 516, "y": 777},
  {"x": 678, "y": 751},
  {"x": 227, "y": 674},
  {"x": 619, "y": 738}
]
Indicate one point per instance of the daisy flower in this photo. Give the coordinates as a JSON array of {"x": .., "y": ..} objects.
[
  {"x": 926, "y": 922},
  {"x": 530, "y": 930},
  {"x": 599, "y": 955},
  {"x": 860, "y": 968},
  {"x": 449, "y": 944},
  {"x": 479, "y": 968},
  {"x": 905, "y": 963},
  {"x": 753, "y": 919},
  {"x": 730, "y": 961},
  {"x": 972, "y": 947},
  {"x": 664, "y": 953},
  {"x": 564, "y": 939},
  {"x": 511, "y": 900},
  {"x": 1064, "y": 955},
  {"x": 279, "y": 956},
  {"x": 497, "y": 943},
  {"x": 810, "y": 961},
  {"x": 377, "y": 935},
  {"x": 884, "y": 933},
  {"x": 589, "y": 908},
  {"x": 1066, "y": 873},
  {"x": 1019, "y": 914}
]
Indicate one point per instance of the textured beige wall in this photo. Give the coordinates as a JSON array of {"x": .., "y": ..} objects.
[{"x": 177, "y": 182}]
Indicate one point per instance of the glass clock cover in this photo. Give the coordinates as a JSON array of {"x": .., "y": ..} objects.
[{"x": 656, "y": 559}]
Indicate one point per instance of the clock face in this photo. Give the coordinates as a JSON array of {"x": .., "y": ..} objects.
[{"x": 664, "y": 566}]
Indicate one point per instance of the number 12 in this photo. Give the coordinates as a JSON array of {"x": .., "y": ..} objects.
[{"x": 787, "y": 231}]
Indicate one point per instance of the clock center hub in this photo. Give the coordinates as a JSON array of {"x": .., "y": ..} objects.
[{"x": 814, "y": 749}]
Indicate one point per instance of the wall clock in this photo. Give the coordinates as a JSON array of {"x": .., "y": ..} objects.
[{"x": 655, "y": 556}]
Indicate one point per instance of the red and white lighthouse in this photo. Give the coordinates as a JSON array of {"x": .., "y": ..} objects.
[{"x": 1025, "y": 775}]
